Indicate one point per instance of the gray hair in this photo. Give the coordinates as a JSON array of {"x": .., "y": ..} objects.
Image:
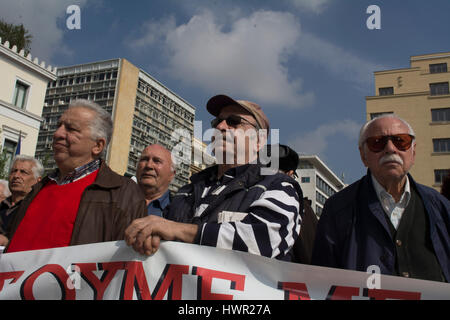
[
  {"x": 6, "y": 192},
  {"x": 365, "y": 127},
  {"x": 101, "y": 126},
  {"x": 38, "y": 168}
]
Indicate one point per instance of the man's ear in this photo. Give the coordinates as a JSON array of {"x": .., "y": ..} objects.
[
  {"x": 362, "y": 155},
  {"x": 98, "y": 147}
]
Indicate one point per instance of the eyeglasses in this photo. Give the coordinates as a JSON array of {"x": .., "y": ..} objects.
[
  {"x": 401, "y": 141},
  {"x": 232, "y": 120}
]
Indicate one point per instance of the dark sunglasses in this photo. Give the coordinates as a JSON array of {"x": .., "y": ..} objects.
[
  {"x": 232, "y": 120},
  {"x": 401, "y": 141}
]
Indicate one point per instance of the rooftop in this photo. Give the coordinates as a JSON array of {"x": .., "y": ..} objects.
[{"x": 27, "y": 61}]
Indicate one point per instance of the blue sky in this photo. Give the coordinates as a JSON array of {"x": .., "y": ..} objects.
[{"x": 308, "y": 63}]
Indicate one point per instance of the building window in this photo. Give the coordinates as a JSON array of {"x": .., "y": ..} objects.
[
  {"x": 306, "y": 179},
  {"x": 440, "y": 174},
  {"x": 441, "y": 145},
  {"x": 320, "y": 198},
  {"x": 387, "y": 91},
  {"x": 20, "y": 95},
  {"x": 318, "y": 211},
  {"x": 9, "y": 148},
  {"x": 438, "y": 115},
  {"x": 378, "y": 114},
  {"x": 324, "y": 187},
  {"x": 438, "y": 67},
  {"x": 438, "y": 88}
]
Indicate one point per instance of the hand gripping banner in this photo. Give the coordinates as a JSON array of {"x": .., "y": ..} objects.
[{"x": 177, "y": 271}]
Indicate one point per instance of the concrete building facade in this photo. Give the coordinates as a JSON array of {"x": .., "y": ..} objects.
[
  {"x": 318, "y": 182},
  {"x": 23, "y": 84},
  {"x": 420, "y": 95},
  {"x": 143, "y": 110},
  {"x": 200, "y": 159}
]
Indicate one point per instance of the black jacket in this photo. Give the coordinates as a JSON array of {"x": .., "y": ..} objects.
[{"x": 243, "y": 211}]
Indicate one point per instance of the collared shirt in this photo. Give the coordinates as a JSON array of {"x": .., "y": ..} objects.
[
  {"x": 77, "y": 174},
  {"x": 393, "y": 209},
  {"x": 157, "y": 206}
]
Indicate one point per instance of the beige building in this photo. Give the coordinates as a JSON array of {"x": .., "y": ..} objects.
[
  {"x": 144, "y": 112},
  {"x": 200, "y": 158},
  {"x": 420, "y": 95},
  {"x": 23, "y": 83}
]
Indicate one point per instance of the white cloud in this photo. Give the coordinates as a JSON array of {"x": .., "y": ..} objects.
[
  {"x": 336, "y": 60},
  {"x": 154, "y": 32},
  {"x": 40, "y": 18},
  {"x": 316, "y": 6},
  {"x": 246, "y": 60},
  {"x": 316, "y": 142}
]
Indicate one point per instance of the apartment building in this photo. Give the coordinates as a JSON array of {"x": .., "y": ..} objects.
[
  {"x": 420, "y": 95},
  {"x": 144, "y": 111},
  {"x": 318, "y": 181},
  {"x": 23, "y": 83}
]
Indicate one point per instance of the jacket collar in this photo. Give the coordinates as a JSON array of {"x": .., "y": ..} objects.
[
  {"x": 210, "y": 174},
  {"x": 374, "y": 203},
  {"x": 107, "y": 178}
]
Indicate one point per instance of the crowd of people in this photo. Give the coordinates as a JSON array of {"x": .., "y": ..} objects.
[{"x": 386, "y": 218}]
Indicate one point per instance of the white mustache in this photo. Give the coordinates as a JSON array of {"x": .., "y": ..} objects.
[{"x": 391, "y": 158}]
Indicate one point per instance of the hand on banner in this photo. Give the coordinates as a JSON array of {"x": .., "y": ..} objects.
[{"x": 145, "y": 234}]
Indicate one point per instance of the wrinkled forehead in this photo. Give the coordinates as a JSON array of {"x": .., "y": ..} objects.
[
  {"x": 78, "y": 113},
  {"x": 156, "y": 151},
  {"x": 22, "y": 164},
  {"x": 387, "y": 126}
]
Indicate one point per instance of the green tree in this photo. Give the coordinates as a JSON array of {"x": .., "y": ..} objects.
[{"x": 16, "y": 35}]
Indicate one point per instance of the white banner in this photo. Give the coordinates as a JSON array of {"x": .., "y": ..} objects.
[{"x": 113, "y": 271}]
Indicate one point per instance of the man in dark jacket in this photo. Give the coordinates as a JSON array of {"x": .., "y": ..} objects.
[
  {"x": 83, "y": 201},
  {"x": 386, "y": 219},
  {"x": 232, "y": 205}
]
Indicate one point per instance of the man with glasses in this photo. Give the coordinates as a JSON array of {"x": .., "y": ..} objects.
[
  {"x": 230, "y": 205},
  {"x": 386, "y": 219}
]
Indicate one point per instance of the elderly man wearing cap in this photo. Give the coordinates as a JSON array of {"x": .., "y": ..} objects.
[{"x": 231, "y": 205}]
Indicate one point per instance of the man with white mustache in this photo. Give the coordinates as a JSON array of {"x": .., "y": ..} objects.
[{"x": 386, "y": 218}]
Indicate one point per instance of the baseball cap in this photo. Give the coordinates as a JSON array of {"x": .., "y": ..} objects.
[{"x": 216, "y": 103}]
